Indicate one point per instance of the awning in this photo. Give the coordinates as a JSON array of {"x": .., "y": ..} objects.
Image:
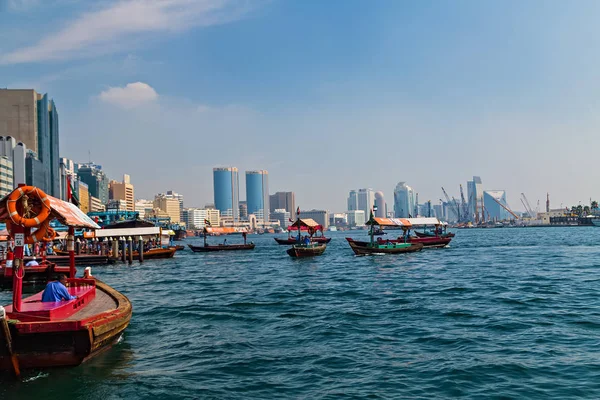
[
  {"x": 305, "y": 223},
  {"x": 423, "y": 221},
  {"x": 66, "y": 213},
  {"x": 391, "y": 222},
  {"x": 116, "y": 233}
]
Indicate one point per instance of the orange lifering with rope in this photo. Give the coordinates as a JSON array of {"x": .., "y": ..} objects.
[
  {"x": 18, "y": 219},
  {"x": 44, "y": 233}
]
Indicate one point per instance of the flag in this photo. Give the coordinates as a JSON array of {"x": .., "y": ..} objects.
[
  {"x": 298, "y": 211},
  {"x": 207, "y": 222},
  {"x": 71, "y": 196},
  {"x": 289, "y": 219}
]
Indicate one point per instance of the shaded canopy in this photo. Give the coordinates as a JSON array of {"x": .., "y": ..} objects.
[
  {"x": 305, "y": 224},
  {"x": 66, "y": 213},
  {"x": 404, "y": 222}
]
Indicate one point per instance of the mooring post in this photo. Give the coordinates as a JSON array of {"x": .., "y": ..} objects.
[
  {"x": 141, "y": 249},
  {"x": 130, "y": 249}
]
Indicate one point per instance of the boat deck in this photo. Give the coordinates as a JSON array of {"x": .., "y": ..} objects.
[{"x": 101, "y": 303}]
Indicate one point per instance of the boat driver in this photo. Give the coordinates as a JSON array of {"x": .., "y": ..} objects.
[{"x": 57, "y": 291}]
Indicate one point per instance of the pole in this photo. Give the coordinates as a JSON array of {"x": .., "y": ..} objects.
[
  {"x": 141, "y": 249},
  {"x": 123, "y": 249},
  {"x": 115, "y": 248},
  {"x": 19, "y": 234},
  {"x": 71, "y": 250},
  {"x": 130, "y": 249},
  {"x": 5, "y": 331}
]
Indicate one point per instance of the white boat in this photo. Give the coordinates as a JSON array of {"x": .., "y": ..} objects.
[{"x": 332, "y": 229}]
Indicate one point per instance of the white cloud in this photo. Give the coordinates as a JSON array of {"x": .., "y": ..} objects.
[
  {"x": 130, "y": 96},
  {"x": 112, "y": 28}
]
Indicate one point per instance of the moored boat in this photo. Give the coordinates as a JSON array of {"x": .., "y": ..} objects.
[
  {"x": 81, "y": 260},
  {"x": 310, "y": 250},
  {"x": 156, "y": 253}
]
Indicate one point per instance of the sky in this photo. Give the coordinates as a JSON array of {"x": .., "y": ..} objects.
[{"x": 328, "y": 96}]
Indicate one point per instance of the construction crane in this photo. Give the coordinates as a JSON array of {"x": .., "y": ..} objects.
[
  {"x": 465, "y": 206},
  {"x": 527, "y": 206},
  {"x": 505, "y": 207},
  {"x": 452, "y": 204}
]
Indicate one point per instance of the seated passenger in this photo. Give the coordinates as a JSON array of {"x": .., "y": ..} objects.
[
  {"x": 32, "y": 263},
  {"x": 57, "y": 291}
]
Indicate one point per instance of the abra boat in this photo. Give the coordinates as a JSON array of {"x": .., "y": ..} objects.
[
  {"x": 36, "y": 334},
  {"x": 157, "y": 253},
  {"x": 365, "y": 248},
  {"x": 427, "y": 242},
  {"x": 221, "y": 247},
  {"x": 408, "y": 224},
  {"x": 42, "y": 273},
  {"x": 303, "y": 250},
  {"x": 81, "y": 260},
  {"x": 291, "y": 240}
]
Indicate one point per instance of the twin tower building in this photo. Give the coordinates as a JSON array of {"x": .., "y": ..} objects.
[{"x": 227, "y": 194}]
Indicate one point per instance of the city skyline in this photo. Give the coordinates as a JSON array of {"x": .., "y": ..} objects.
[{"x": 501, "y": 104}]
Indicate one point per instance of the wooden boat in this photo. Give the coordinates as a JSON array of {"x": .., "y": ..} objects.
[
  {"x": 42, "y": 273},
  {"x": 156, "y": 253},
  {"x": 294, "y": 240},
  {"x": 429, "y": 234},
  {"x": 65, "y": 333},
  {"x": 310, "y": 250},
  {"x": 54, "y": 334},
  {"x": 365, "y": 248},
  {"x": 81, "y": 260},
  {"x": 179, "y": 247},
  {"x": 427, "y": 242},
  {"x": 221, "y": 247}
]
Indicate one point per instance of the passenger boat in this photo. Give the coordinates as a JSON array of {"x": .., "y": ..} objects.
[
  {"x": 303, "y": 250},
  {"x": 408, "y": 224},
  {"x": 41, "y": 273},
  {"x": 36, "y": 334},
  {"x": 157, "y": 253},
  {"x": 222, "y": 246},
  {"x": 365, "y": 248},
  {"x": 81, "y": 260},
  {"x": 429, "y": 234},
  {"x": 427, "y": 242},
  {"x": 298, "y": 239},
  {"x": 309, "y": 247}
]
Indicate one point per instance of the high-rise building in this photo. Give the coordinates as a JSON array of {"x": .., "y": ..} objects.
[
  {"x": 96, "y": 204},
  {"x": 194, "y": 218},
  {"x": 213, "y": 216},
  {"x": 179, "y": 197},
  {"x": 356, "y": 218},
  {"x": 404, "y": 201},
  {"x": 492, "y": 208},
  {"x": 352, "y": 201},
  {"x": 283, "y": 200},
  {"x": 257, "y": 194},
  {"x": 169, "y": 205},
  {"x": 32, "y": 119},
  {"x": 320, "y": 216},
  {"x": 243, "y": 211},
  {"x": 381, "y": 211},
  {"x": 6, "y": 176},
  {"x": 474, "y": 197},
  {"x": 83, "y": 194},
  {"x": 227, "y": 192},
  {"x": 366, "y": 200},
  {"x": 96, "y": 180},
  {"x": 16, "y": 154},
  {"x": 281, "y": 215},
  {"x": 122, "y": 191},
  {"x": 144, "y": 208}
]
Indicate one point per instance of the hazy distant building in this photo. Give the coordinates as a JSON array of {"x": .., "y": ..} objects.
[
  {"x": 169, "y": 205},
  {"x": 356, "y": 218},
  {"x": 227, "y": 192},
  {"x": 32, "y": 119},
  {"x": 16, "y": 153},
  {"x": 320, "y": 216},
  {"x": 283, "y": 200},
  {"x": 474, "y": 197},
  {"x": 257, "y": 194},
  {"x": 179, "y": 197},
  {"x": 144, "y": 208},
  {"x": 96, "y": 180},
  {"x": 366, "y": 200},
  {"x": 438, "y": 211},
  {"x": 243, "y": 211},
  {"x": 352, "y": 200},
  {"x": 122, "y": 191},
  {"x": 404, "y": 201},
  {"x": 6, "y": 176},
  {"x": 495, "y": 211},
  {"x": 281, "y": 215},
  {"x": 194, "y": 218},
  {"x": 381, "y": 206}
]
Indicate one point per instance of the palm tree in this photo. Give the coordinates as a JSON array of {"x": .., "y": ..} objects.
[{"x": 594, "y": 204}]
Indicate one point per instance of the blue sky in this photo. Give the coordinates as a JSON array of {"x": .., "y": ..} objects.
[{"x": 327, "y": 96}]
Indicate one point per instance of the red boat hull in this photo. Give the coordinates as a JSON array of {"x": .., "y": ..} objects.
[
  {"x": 291, "y": 241},
  {"x": 428, "y": 242}
]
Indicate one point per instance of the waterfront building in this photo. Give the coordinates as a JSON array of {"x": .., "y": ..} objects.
[
  {"x": 381, "y": 211},
  {"x": 213, "y": 216},
  {"x": 16, "y": 154},
  {"x": 122, "y": 191},
  {"x": 194, "y": 218},
  {"x": 257, "y": 194},
  {"x": 352, "y": 201},
  {"x": 144, "y": 208},
  {"x": 338, "y": 219},
  {"x": 83, "y": 195},
  {"x": 404, "y": 201},
  {"x": 320, "y": 216},
  {"x": 438, "y": 211},
  {"x": 96, "y": 179},
  {"x": 179, "y": 197},
  {"x": 283, "y": 216},
  {"x": 356, "y": 218},
  {"x": 35, "y": 173},
  {"x": 226, "y": 192},
  {"x": 169, "y": 206},
  {"x": 6, "y": 176},
  {"x": 96, "y": 205},
  {"x": 283, "y": 200},
  {"x": 117, "y": 204},
  {"x": 474, "y": 197},
  {"x": 493, "y": 210},
  {"x": 31, "y": 118},
  {"x": 243, "y": 211}
]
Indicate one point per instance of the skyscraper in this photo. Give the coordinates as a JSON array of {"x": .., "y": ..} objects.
[
  {"x": 404, "y": 201},
  {"x": 97, "y": 182},
  {"x": 227, "y": 192},
  {"x": 366, "y": 200},
  {"x": 352, "y": 201},
  {"x": 257, "y": 194},
  {"x": 283, "y": 200},
  {"x": 381, "y": 206},
  {"x": 492, "y": 208},
  {"x": 475, "y": 195},
  {"x": 122, "y": 191}
]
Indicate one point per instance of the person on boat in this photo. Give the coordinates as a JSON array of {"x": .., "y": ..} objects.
[
  {"x": 57, "y": 291},
  {"x": 87, "y": 273},
  {"x": 32, "y": 263},
  {"x": 224, "y": 241},
  {"x": 244, "y": 236},
  {"x": 306, "y": 240}
]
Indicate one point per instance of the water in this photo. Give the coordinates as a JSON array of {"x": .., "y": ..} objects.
[{"x": 503, "y": 313}]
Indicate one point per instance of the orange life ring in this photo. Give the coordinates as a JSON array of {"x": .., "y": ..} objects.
[
  {"x": 44, "y": 233},
  {"x": 16, "y": 195}
]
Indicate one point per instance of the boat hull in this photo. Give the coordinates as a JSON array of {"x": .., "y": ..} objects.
[
  {"x": 444, "y": 235},
  {"x": 291, "y": 241},
  {"x": 427, "y": 242},
  {"x": 65, "y": 342},
  {"x": 363, "y": 248},
  {"x": 301, "y": 252},
  {"x": 39, "y": 274},
  {"x": 221, "y": 247},
  {"x": 154, "y": 254},
  {"x": 81, "y": 260}
]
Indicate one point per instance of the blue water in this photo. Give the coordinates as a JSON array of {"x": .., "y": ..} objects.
[{"x": 502, "y": 313}]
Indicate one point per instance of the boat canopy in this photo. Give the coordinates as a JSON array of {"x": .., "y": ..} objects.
[
  {"x": 133, "y": 232},
  {"x": 305, "y": 224},
  {"x": 66, "y": 213},
  {"x": 225, "y": 230},
  {"x": 405, "y": 222}
]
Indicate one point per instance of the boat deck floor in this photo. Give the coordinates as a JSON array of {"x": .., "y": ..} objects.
[{"x": 102, "y": 302}]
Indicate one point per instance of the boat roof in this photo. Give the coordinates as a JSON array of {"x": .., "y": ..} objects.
[
  {"x": 306, "y": 222},
  {"x": 66, "y": 213},
  {"x": 405, "y": 222}
]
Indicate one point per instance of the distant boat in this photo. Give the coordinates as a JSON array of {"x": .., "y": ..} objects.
[{"x": 221, "y": 247}]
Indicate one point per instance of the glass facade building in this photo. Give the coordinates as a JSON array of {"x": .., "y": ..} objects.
[
  {"x": 227, "y": 192},
  {"x": 404, "y": 201},
  {"x": 257, "y": 194},
  {"x": 94, "y": 177},
  {"x": 493, "y": 210}
]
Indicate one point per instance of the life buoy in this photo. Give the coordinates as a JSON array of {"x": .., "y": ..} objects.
[
  {"x": 18, "y": 219},
  {"x": 44, "y": 233}
]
